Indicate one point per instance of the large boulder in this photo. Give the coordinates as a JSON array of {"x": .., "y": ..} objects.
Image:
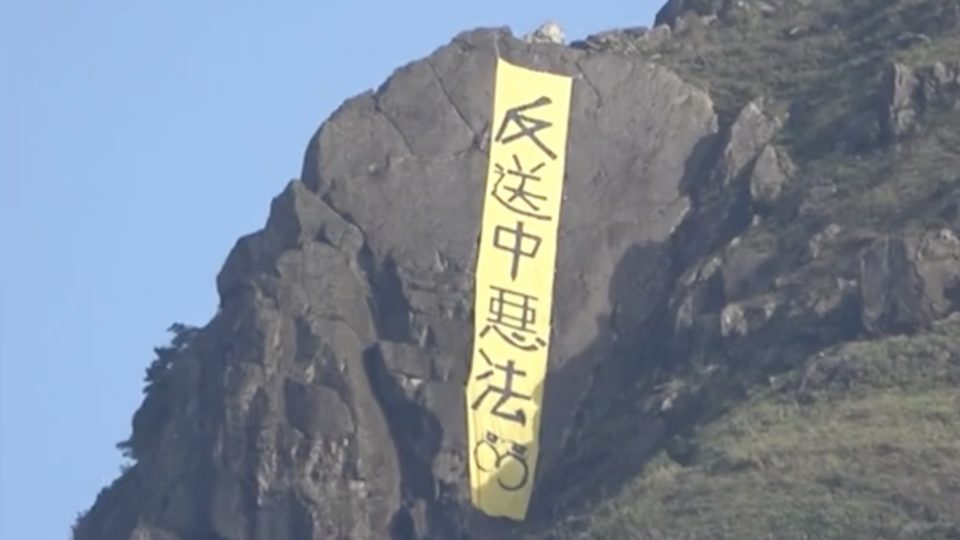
[
  {"x": 326, "y": 398},
  {"x": 415, "y": 191}
]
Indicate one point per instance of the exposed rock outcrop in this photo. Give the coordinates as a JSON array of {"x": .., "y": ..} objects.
[
  {"x": 548, "y": 32},
  {"x": 700, "y": 255},
  {"x": 910, "y": 92},
  {"x": 909, "y": 281},
  {"x": 675, "y": 9},
  {"x": 771, "y": 173},
  {"x": 333, "y": 374},
  {"x": 674, "y": 12}
]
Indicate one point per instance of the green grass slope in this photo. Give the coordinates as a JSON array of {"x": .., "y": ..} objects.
[
  {"x": 862, "y": 443},
  {"x": 862, "y": 439}
]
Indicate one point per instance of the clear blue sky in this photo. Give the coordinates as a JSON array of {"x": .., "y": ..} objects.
[{"x": 138, "y": 141}]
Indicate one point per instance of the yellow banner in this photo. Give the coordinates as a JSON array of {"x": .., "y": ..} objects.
[{"x": 514, "y": 285}]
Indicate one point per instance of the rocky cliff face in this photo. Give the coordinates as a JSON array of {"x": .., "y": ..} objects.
[{"x": 704, "y": 248}]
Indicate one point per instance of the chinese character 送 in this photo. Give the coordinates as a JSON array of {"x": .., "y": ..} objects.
[{"x": 518, "y": 189}]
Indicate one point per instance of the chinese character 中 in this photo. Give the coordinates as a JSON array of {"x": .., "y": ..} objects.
[{"x": 518, "y": 246}]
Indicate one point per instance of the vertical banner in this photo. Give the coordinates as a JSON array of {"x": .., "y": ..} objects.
[{"x": 514, "y": 285}]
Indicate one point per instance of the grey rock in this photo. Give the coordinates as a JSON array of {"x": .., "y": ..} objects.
[
  {"x": 816, "y": 244},
  {"x": 796, "y": 32},
  {"x": 909, "y": 93},
  {"x": 423, "y": 194},
  {"x": 909, "y": 281},
  {"x": 766, "y": 8},
  {"x": 743, "y": 318},
  {"x": 325, "y": 399},
  {"x": 726, "y": 290},
  {"x": 724, "y": 197},
  {"x": 820, "y": 298},
  {"x": 145, "y": 532},
  {"x": 940, "y": 85},
  {"x": 673, "y": 10},
  {"x": 944, "y": 76},
  {"x": 899, "y": 92},
  {"x": 317, "y": 411},
  {"x": 745, "y": 267},
  {"x": 771, "y": 173},
  {"x": 437, "y": 126},
  {"x": 408, "y": 360},
  {"x": 634, "y": 39},
  {"x": 749, "y": 134},
  {"x": 700, "y": 291},
  {"x": 548, "y": 32},
  {"x": 938, "y": 264},
  {"x": 659, "y": 34},
  {"x": 912, "y": 39}
]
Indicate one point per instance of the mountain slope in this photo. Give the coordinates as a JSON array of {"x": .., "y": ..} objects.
[
  {"x": 866, "y": 183},
  {"x": 863, "y": 442},
  {"x": 758, "y": 262}
]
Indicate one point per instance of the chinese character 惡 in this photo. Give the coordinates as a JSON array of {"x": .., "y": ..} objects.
[
  {"x": 512, "y": 316},
  {"x": 518, "y": 189},
  {"x": 518, "y": 247},
  {"x": 506, "y": 393},
  {"x": 528, "y": 125}
]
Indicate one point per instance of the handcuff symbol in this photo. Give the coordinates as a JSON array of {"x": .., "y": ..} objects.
[{"x": 516, "y": 452}]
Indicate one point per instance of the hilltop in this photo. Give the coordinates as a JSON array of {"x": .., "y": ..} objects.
[{"x": 755, "y": 326}]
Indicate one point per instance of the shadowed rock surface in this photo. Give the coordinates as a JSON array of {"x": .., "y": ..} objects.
[{"x": 726, "y": 239}]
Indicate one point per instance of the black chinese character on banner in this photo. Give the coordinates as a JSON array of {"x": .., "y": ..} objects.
[
  {"x": 528, "y": 126},
  {"x": 512, "y": 316},
  {"x": 518, "y": 246},
  {"x": 518, "y": 189},
  {"x": 506, "y": 393}
]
